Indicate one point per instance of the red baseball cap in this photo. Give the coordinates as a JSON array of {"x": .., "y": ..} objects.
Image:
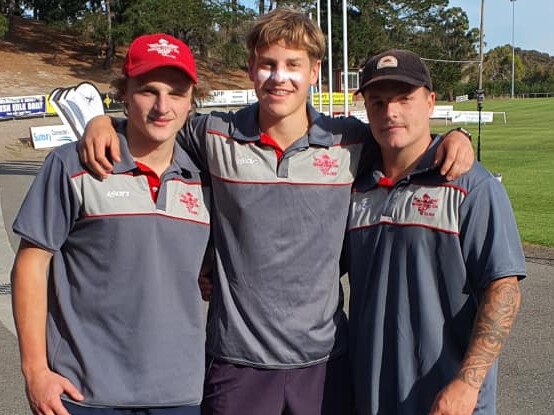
[{"x": 149, "y": 52}]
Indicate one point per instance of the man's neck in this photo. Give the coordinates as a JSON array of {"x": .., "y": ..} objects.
[
  {"x": 398, "y": 164},
  {"x": 285, "y": 131},
  {"x": 157, "y": 156}
]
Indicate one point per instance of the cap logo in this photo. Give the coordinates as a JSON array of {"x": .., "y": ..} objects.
[
  {"x": 387, "y": 62},
  {"x": 164, "y": 48}
]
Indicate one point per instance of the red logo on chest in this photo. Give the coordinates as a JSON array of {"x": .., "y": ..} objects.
[
  {"x": 326, "y": 165},
  {"x": 424, "y": 204},
  {"x": 190, "y": 202}
]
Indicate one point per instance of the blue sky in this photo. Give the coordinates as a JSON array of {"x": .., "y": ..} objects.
[
  {"x": 533, "y": 28},
  {"x": 533, "y": 23}
]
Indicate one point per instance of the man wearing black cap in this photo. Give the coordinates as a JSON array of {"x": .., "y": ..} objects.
[{"x": 433, "y": 265}]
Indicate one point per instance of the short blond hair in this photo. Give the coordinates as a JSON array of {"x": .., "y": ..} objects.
[{"x": 290, "y": 27}]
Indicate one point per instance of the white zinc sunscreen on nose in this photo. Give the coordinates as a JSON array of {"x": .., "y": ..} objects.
[{"x": 278, "y": 76}]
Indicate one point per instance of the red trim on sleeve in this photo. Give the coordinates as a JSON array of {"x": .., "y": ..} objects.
[{"x": 151, "y": 177}]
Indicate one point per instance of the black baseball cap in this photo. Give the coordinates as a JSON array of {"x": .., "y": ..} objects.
[{"x": 396, "y": 65}]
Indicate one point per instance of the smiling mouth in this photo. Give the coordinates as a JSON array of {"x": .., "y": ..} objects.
[
  {"x": 160, "y": 123},
  {"x": 157, "y": 119},
  {"x": 278, "y": 92},
  {"x": 392, "y": 127}
]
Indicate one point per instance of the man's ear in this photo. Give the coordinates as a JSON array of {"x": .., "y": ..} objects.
[
  {"x": 314, "y": 71},
  {"x": 431, "y": 102}
]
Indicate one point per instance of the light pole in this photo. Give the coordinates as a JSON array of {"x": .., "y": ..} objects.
[
  {"x": 330, "y": 57},
  {"x": 319, "y": 90},
  {"x": 480, "y": 92},
  {"x": 513, "y": 45},
  {"x": 345, "y": 54}
]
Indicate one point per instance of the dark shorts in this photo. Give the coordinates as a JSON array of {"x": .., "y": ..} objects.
[
  {"x": 321, "y": 389},
  {"x": 174, "y": 410}
]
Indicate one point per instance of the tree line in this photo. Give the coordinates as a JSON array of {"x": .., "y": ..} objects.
[{"x": 216, "y": 30}]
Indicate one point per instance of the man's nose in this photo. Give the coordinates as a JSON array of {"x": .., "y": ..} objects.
[
  {"x": 391, "y": 108},
  {"x": 162, "y": 103}
]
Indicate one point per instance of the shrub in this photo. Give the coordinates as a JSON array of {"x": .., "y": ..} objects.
[{"x": 4, "y": 25}]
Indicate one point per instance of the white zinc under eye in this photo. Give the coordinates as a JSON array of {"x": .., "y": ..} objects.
[{"x": 278, "y": 75}]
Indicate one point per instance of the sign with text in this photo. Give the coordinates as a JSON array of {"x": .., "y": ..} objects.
[
  {"x": 222, "y": 98},
  {"x": 338, "y": 98},
  {"x": 11, "y": 107},
  {"x": 251, "y": 96},
  {"x": 442, "y": 111},
  {"x": 471, "y": 116},
  {"x": 51, "y": 136}
]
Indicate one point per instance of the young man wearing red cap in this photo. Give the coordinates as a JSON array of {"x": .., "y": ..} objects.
[
  {"x": 433, "y": 265},
  {"x": 117, "y": 327},
  {"x": 281, "y": 177}
]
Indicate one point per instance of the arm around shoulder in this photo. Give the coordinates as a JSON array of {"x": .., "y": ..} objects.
[
  {"x": 99, "y": 146},
  {"x": 455, "y": 154}
]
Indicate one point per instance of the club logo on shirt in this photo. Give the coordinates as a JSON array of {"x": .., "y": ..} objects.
[
  {"x": 327, "y": 166},
  {"x": 190, "y": 202},
  {"x": 424, "y": 204}
]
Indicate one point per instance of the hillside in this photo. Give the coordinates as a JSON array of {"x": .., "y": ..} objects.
[{"x": 35, "y": 59}]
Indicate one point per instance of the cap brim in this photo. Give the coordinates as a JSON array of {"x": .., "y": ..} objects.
[
  {"x": 399, "y": 78},
  {"x": 139, "y": 70}
]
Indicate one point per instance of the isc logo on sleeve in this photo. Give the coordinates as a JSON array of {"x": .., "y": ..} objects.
[{"x": 112, "y": 194}]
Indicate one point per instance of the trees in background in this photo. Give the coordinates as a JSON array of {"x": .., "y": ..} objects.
[
  {"x": 216, "y": 29},
  {"x": 437, "y": 33}
]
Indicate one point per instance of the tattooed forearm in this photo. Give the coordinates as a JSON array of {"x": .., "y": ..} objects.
[{"x": 493, "y": 322}]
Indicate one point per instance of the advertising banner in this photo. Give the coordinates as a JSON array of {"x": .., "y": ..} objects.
[
  {"x": 442, "y": 111},
  {"x": 11, "y": 107},
  {"x": 472, "y": 116},
  {"x": 338, "y": 98},
  {"x": 251, "y": 96},
  {"x": 222, "y": 98},
  {"x": 51, "y": 136}
]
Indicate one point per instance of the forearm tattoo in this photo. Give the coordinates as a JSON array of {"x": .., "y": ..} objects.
[{"x": 493, "y": 322}]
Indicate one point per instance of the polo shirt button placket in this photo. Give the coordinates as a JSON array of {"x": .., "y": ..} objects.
[{"x": 390, "y": 202}]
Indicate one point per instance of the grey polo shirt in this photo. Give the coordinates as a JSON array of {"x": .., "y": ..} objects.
[
  {"x": 125, "y": 318},
  {"x": 278, "y": 227},
  {"x": 420, "y": 255}
]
